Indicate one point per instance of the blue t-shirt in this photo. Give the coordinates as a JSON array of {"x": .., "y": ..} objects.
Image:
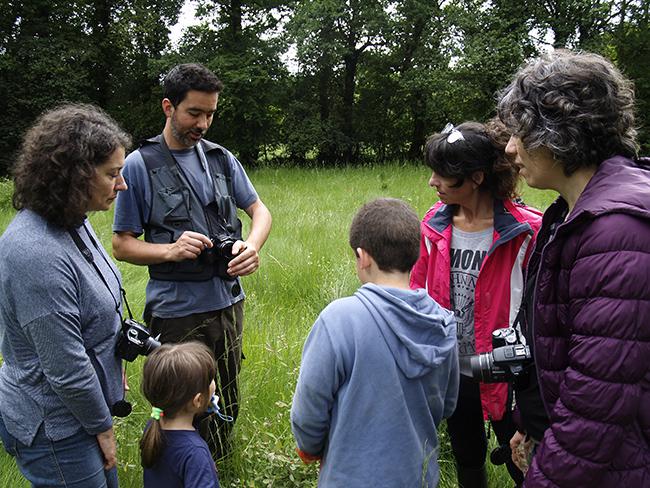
[
  {"x": 185, "y": 463},
  {"x": 170, "y": 299}
]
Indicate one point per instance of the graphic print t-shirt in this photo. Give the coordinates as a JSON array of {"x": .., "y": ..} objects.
[{"x": 468, "y": 250}]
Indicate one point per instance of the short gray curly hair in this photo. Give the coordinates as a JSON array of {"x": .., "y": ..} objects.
[{"x": 577, "y": 105}]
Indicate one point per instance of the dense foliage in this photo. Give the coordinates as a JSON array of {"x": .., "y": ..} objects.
[{"x": 308, "y": 82}]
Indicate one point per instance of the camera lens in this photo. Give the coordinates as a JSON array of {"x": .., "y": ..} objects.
[
  {"x": 122, "y": 408},
  {"x": 225, "y": 248},
  {"x": 500, "y": 455},
  {"x": 149, "y": 346},
  {"x": 482, "y": 367}
]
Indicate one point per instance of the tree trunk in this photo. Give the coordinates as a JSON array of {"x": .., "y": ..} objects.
[
  {"x": 235, "y": 22},
  {"x": 351, "y": 60},
  {"x": 418, "y": 135},
  {"x": 104, "y": 52},
  {"x": 326, "y": 147}
]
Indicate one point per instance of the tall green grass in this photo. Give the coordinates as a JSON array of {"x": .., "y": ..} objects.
[{"x": 305, "y": 264}]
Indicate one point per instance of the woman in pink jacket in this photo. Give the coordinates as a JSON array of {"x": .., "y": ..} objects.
[{"x": 475, "y": 245}]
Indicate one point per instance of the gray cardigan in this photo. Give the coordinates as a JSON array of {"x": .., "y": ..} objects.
[{"x": 58, "y": 329}]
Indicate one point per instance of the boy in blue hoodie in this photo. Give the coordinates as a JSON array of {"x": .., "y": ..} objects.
[{"x": 379, "y": 369}]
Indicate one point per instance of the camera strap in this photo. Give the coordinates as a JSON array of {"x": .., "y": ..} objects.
[
  {"x": 88, "y": 256},
  {"x": 121, "y": 408},
  {"x": 173, "y": 163}
]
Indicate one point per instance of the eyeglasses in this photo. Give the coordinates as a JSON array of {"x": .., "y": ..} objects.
[{"x": 454, "y": 134}]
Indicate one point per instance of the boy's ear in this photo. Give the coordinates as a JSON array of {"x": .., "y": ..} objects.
[{"x": 365, "y": 259}]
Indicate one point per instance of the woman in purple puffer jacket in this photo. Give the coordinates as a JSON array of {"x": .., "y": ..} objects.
[{"x": 572, "y": 116}]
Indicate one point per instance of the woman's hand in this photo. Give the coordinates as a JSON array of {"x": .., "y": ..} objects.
[
  {"x": 106, "y": 441},
  {"x": 521, "y": 449}
]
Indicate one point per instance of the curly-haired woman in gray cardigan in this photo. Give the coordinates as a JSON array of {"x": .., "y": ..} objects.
[
  {"x": 572, "y": 116},
  {"x": 59, "y": 318}
]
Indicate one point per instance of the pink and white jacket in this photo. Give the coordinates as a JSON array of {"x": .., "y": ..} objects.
[{"x": 500, "y": 282}]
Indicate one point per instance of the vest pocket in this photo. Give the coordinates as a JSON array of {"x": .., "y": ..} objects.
[
  {"x": 222, "y": 184},
  {"x": 173, "y": 205}
]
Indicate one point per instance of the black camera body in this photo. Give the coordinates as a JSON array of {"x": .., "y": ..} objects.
[
  {"x": 220, "y": 254},
  {"x": 500, "y": 455},
  {"x": 508, "y": 359},
  {"x": 224, "y": 230},
  {"x": 135, "y": 339}
]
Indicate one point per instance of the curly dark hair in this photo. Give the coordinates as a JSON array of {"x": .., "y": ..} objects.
[
  {"x": 56, "y": 165},
  {"x": 482, "y": 148},
  {"x": 577, "y": 105},
  {"x": 389, "y": 230},
  {"x": 190, "y": 76}
]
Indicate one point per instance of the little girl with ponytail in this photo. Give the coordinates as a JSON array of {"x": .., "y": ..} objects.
[{"x": 178, "y": 381}]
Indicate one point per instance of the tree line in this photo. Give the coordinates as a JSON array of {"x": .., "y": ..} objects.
[{"x": 307, "y": 82}]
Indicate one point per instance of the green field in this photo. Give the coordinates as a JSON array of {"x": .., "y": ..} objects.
[{"x": 305, "y": 264}]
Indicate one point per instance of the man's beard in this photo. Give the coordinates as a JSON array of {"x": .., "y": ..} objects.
[{"x": 183, "y": 138}]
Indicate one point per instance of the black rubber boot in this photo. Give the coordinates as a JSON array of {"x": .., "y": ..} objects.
[{"x": 471, "y": 477}]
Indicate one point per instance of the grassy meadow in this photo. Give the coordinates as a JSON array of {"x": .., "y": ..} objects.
[{"x": 305, "y": 264}]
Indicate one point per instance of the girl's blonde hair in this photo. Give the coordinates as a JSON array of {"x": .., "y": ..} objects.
[{"x": 172, "y": 375}]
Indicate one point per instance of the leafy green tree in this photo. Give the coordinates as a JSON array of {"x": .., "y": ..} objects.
[
  {"x": 373, "y": 77},
  {"x": 238, "y": 40},
  {"x": 41, "y": 48},
  {"x": 492, "y": 41},
  {"x": 630, "y": 42},
  {"x": 95, "y": 51},
  {"x": 574, "y": 23},
  {"x": 140, "y": 36},
  {"x": 332, "y": 36},
  {"x": 419, "y": 58}
]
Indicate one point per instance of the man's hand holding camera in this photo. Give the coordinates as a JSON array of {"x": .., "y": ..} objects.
[
  {"x": 246, "y": 260},
  {"x": 191, "y": 244},
  {"x": 188, "y": 246}
]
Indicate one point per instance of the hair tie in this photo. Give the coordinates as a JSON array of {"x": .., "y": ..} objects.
[
  {"x": 454, "y": 134},
  {"x": 156, "y": 413}
]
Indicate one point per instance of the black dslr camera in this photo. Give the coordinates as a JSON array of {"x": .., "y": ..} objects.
[
  {"x": 223, "y": 236},
  {"x": 220, "y": 254},
  {"x": 508, "y": 359},
  {"x": 135, "y": 339}
]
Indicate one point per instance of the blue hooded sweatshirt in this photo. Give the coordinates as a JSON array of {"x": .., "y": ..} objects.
[{"x": 379, "y": 372}]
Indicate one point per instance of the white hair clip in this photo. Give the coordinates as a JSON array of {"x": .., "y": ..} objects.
[{"x": 454, "y": 134}]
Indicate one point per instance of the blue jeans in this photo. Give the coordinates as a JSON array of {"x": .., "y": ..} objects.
[{"x": 74, "y": 462}]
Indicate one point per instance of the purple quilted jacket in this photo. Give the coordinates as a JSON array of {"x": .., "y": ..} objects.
[{"x": 592, "y": 335}]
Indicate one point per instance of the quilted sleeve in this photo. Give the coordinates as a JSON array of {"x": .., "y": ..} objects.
[{"x": 599, "y": 368}]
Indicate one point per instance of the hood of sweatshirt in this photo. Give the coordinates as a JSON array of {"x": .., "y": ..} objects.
[{"x": 419, "y": 332}]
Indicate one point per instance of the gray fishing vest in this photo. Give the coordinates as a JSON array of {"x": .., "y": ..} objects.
[{"x": 176, "y": 208}]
